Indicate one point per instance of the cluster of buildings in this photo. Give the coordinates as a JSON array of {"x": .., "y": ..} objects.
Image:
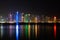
[{"x": 27, "y": 17}]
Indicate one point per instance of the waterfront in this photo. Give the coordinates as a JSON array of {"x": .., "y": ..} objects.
[{"x": 28, "y": 32}]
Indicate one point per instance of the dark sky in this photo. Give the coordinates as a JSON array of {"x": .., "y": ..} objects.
[{"x": 32, "y": 6}]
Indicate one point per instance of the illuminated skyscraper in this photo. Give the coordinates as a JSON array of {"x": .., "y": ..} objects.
[
  {"x": 26, "y": 18},
  {"x": 42, "y": 18},
  {"x": 54, "y": 19},
  {"x": 10, "y": 17},
  {"x": 22, "y": 17}
]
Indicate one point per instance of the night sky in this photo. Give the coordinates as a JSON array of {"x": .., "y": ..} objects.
[{"x": 31, "y": 6}]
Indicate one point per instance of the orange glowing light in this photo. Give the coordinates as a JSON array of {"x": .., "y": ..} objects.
[
  {"x": 54, "y": 19},
  {"x": 36, "y": 30},
  {"x": 36, "y": 26},
  {"x": 29, "y": 30}
]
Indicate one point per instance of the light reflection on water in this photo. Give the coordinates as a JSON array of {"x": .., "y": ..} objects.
[{"x": 27, "y": 32}]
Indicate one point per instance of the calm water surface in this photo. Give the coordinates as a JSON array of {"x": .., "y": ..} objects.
[{"x": 27, "y": 32}]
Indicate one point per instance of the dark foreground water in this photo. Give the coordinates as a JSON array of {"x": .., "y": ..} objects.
[{"x": 28, "y": 32}]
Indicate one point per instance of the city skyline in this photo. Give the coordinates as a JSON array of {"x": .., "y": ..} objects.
[
  {"x": 22, "y": 17},
  {"x": 29, "y": 19}
]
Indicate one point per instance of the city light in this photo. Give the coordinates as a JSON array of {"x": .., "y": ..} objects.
[
  {"x": 25, "y": 18},
  {"x": 55, "y": 30},
  {"x": 10, "y": 27},
  {"x": 17, "y": 25},
  {"x": 23, "y": 25},
  {"x": 29, "y": 19},
  {"x": 1, "y": 30},
  {"x": 29, "y": 29}
]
